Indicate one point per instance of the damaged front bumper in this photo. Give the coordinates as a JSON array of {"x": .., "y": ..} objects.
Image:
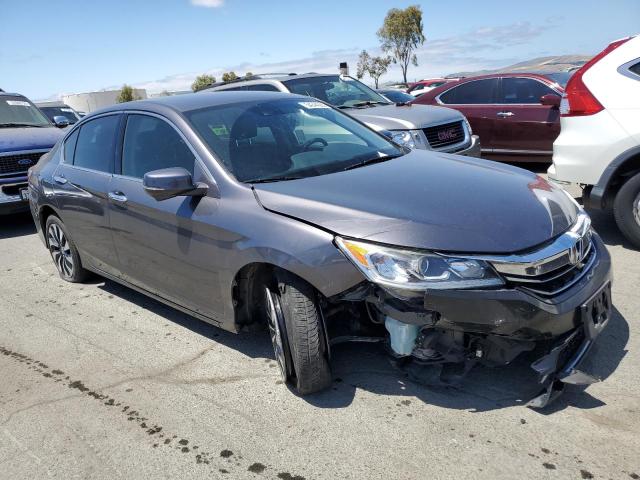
[{"x": 494, "y": 326}]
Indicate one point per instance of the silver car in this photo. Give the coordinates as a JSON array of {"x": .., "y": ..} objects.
[{"x": 415, "y": 126}]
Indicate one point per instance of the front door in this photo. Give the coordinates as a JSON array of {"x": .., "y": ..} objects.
[
  {"x": 164, "y": 247},
  {"x": 475, "y": 100},
  {"x": 81, "y": 182},
  {"x": 523, "y": 125}
]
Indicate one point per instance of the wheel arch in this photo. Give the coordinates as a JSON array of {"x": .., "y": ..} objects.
[
  {"x": 624, "y": 166},
  {"x": 247, "y": 293}
]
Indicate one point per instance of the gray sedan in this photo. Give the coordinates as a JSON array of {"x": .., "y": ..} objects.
[{"x": 255, "y": 207}]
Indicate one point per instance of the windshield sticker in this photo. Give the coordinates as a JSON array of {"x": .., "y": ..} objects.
[
  {"x": 314, "y": 105},
  {"x": 18, "y": 103},
  {"x": 219, "y": 130},
  {"x": 66, "y": 110}
]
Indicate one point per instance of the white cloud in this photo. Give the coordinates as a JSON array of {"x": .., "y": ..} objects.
[
  {"x": 208, "y": 3},
  {"x": 487, "y": 47}
]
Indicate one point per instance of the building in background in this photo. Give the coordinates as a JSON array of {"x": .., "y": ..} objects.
[{"x": 90, "y": 101}]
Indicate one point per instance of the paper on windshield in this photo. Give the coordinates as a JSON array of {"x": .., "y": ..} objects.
[{"x": 20, "y": 103}]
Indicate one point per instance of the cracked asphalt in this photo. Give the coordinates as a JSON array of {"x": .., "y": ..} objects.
[{"x": 98, "y": 381}]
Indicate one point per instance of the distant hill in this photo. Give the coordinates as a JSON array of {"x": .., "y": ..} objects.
[{"x": 561, "y": 63}]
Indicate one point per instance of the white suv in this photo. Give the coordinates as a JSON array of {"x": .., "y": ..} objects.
[{"x": 599, "y": 142}]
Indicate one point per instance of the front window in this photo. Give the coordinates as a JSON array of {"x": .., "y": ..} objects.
[
  {"x": 17, "y": 111},
  {"x": 287, "y": 139},
  {"x": 518, "y": 90},
  {"x": 60, "y": 111},
  {"x": 339, "y": 91}
]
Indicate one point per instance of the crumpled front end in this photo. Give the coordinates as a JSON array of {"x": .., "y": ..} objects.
[{"x": 553, "y": 304}]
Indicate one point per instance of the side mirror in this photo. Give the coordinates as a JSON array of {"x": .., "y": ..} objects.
[
  {"x": 172, "y": 182},
  {"x": 550, "y": 100},
  {"x": 61, "y": 121}
]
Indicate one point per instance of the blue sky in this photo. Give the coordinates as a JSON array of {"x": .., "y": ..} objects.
[{"x": 52, "y": 47}]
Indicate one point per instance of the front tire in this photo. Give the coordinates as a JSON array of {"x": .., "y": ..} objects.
[
  {"x": 626, "y": 210},
  {"x": 63, "y": 251},
  {"x": 301, "y": 352}
]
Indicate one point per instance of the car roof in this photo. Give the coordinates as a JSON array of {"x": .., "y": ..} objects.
[
  {"x": 195, "y": 101},
  {"x": 540, "y": 76},
  {"x": 9, "y": 94}
]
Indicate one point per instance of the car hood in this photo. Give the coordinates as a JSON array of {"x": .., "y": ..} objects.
[
  {"x": 28, "y": 138},
  {"x": 393, "y": 117},
  {"x": 431, "y": 201}
]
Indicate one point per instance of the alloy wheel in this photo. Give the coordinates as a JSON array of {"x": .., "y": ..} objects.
[
  {"x": 60, "y": 250},
  {"x": 275, "y": 321},
  {"x": 636, "y": 209}
]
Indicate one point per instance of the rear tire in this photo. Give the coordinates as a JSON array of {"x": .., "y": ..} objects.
[
  {"x": 304, "y": 334},
  {"x": 626, "y": 210},
  {"x": 63, "y": 251}
]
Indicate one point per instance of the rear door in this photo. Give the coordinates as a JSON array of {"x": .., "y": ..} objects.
[
  {"x": 164, "y": 247},
  {"x": 82, "y": 181},
  {"x": 523, "y": 125},
  {"x": 476, "y": 100}
]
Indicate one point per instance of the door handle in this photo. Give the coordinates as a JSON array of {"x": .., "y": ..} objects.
[
  {"x": 118, "y": 197},
  {"x": 60, "y": 179},
  {"x": 505, "y": 114}
]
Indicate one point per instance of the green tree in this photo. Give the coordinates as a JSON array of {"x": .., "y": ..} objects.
[
  {"x": 401, "y": 34},
  {"x": 364, "y": 59},
  {"x": 229, "y": 76},
  {"x": 202, "y": 81},
  {"x": 374, "y": 66},
  {"x": 127, "y": 94},
  {"x": 249, "y": 76}
]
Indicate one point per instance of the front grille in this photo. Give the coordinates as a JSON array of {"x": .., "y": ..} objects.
[
  {"x": 20, "y": 163},
  {"x": 444, "y": 135},
  {"x": 559, "y": 279}
]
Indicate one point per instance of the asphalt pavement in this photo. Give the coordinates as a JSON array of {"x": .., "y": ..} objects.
[{"x": 98, "y": 381}]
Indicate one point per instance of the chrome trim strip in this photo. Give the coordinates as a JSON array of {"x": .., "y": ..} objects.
[
  {"x": 548, "y": 258},
  {"x": 24, "y": 152}
]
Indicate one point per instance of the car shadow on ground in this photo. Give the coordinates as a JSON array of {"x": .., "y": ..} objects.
[
  {"x": 16, "y": 225},
  {"x": 368, "y": 367}
]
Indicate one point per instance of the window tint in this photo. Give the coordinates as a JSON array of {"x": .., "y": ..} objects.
[
  {"x": 263, "y": 87},
  {"x": 522, "y": 90},
  {"x": 70, "y": 146},
  {"x": 151, "y": 144},
  {"x": 475, "y": 92},
  {"x": 635, "y": 68},
  {"x": 96, "y": 142}
]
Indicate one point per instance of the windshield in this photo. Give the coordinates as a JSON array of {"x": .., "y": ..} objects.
[
  {"x": 60, "y": 111},
  {"x": 19, "y": 112},
  {"x": 561, "y": 78},
  {"x": 337, "y": 90},
  {"x": 287, "y": 139},
  {"x": 397, "y": 96}
]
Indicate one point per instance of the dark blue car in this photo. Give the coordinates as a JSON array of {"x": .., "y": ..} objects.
[{"x": 25, "y": 135}]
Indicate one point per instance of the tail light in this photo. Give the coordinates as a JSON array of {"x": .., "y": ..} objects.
[{"x": 577, "y": 99}]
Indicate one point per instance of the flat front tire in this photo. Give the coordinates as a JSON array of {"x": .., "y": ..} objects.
[
  {"x": 301, "y": 352},
  {"x": 63, "y": 251},
  {"x": 626, "y": 210}
]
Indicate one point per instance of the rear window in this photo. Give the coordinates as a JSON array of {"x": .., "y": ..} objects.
[
  {"x": 469, "y": 93},
  {"x": 96, "y": 144}
]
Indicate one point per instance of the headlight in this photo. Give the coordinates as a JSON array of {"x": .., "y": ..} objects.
[
  {"x": 407, "y": 138},
  {"x": 416, "y": 270}
]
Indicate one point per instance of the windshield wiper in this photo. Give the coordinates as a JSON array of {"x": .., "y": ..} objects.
[
  {"x": 272, "y": 179},
  {"x": 367, "y": 103},
  {"x": 18, "y": 124},
  {"x": 370, "y": 161}
]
